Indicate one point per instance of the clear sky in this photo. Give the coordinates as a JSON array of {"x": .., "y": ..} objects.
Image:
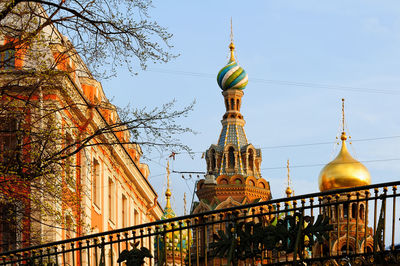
[{"x": 302, "y": 57}]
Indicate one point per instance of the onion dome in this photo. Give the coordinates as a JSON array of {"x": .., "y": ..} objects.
[
  {"x": 232, "y": 76},
  {"x": 344, "y": 171}
]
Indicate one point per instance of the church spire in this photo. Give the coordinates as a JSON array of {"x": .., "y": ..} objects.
[
  {"x": 233, "y": 154},
  {"x": 232, "y": 46},
  {"x": 168, "y": 211},
  {"x": 168, "y": 191},
  {"x": 288, "y": 190},
  {"x": 233, "y": 164},
  {"x": 343, "y": 137}
]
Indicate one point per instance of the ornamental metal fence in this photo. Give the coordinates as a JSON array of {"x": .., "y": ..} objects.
[{"x": 354, "y": 226}]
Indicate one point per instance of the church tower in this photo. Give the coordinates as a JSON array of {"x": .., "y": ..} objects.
[
  {"x": 351, "y": 233},
  {"x": 233, "y": 164},
  {"x": 173, "y": 246}
]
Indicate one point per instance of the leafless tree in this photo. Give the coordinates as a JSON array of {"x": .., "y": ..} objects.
[{"x": 45, "y": 121}]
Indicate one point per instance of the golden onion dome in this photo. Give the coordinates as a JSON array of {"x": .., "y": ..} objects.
[{"x": 344, "y": 171}]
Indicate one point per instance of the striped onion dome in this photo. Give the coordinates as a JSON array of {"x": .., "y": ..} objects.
[{"x": 232, "y": 76}]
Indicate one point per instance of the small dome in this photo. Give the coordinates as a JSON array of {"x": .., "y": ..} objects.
[
  {"x": 232, "y": 76},
  {"x": 168, "y": 213},
  {"x": 343, "y": 172}
]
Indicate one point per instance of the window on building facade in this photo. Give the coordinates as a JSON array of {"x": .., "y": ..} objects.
[
  {"x": 69, "y": 233},
  {"x": 70, "y": 163},
  {"x": 212, "y": 160},
  {"x": 96, "y": 185},
  {"x": 8, "y": 230},
  {"x": 345, "y": 210},
  {"x": 362, "y": 211},
  {"x": 354, "y": 210},
  {"x": 231, "y": 158},
  {"x": 7, "y": 59},
  {"x": 124, "y": 211},
  {"x": 136, "y": 217},
  {"x": 8, "y": 138},
  {"x": 251, "y": 160},
  {"x": 111, "y": 200}
]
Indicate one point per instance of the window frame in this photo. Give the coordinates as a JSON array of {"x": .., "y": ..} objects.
[
  {"x": 96, "y": 184},
  {"x": 13, "y": 144},
  {"x": 7, "y": 59},
  {"x": 111, "y": 200},
  {"x": 124, "y": 210}
]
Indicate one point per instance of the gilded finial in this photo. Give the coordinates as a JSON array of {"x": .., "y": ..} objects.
[
  {"x": 168, "y": 191},
  {"x": 288, "y": 189},
  {"x": 343, "y": 137},
  {"x": 184, "y": 203},
  {"x": 232, "y": 45}
]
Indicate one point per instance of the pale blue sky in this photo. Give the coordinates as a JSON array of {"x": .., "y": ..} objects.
[{"x": 280, "y": 44}]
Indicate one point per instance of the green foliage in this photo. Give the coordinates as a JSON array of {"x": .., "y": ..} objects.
[
  {"x": 292, "y": 233},
  {"x": 226, "y": 244}
]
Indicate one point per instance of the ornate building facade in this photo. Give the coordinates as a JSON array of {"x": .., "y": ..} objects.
[{"x": 53, "y": 98}]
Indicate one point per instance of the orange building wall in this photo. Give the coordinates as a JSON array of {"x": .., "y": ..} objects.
[{"x": 121, "y": 162}]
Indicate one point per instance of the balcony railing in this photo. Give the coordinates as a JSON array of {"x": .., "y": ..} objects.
[{"x": 357, "y": 226}]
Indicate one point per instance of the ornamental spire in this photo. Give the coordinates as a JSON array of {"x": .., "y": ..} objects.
[
  {"x": 232, "y": 76},
  {"x": 232, "y": 45},
  {"x": 168, "y": 191},
  {"x": 184, "y": 204},
  {"x": 288, "y": 191},
  {"x": 343, "y": 137}
]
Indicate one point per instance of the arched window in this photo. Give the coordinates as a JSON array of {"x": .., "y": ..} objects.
[
  {"x": 231, "y": 156},
  {"x": 345, "y": 210},
  {"x": 251, "y": 160},
  {"x": 325, "y": 250},
  {"x": 224, "y": 182},
  {"x": 212, "y": 160},
  {"x": 333, "y": 213},
  {"x": 238, "y": 181},
  {"x": 362, "y": 211},
  {"x": 344, "y": 249},
  {"x": 226, "y": 104},
  {"x": 237, "y": 104},
  {"x": 354, "y": 210},
  {"x": 232, "y": 104}
]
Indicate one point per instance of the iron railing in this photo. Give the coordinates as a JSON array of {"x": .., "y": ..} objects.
[{"x": 348, "y": 226}]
